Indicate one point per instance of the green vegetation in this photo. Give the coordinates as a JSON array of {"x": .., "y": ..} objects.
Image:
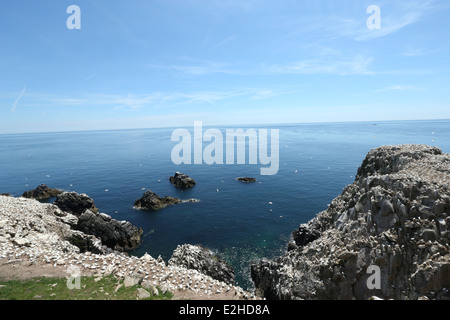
[{"x": 91, "y": 288}]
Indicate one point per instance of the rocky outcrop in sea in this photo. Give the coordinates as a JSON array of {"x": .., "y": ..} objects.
[
  {"x": 151, "y": 201},
  {"x": 387, "y": 235},
  {"x": 42, "y": 192},
  {"x": 182, "y": 181}
]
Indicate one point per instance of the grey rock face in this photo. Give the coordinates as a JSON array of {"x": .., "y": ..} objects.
[
  {"x": 182, "y": 180},
  {"x": 204, "y": 261},
  {"x": 395, "y": 216}
]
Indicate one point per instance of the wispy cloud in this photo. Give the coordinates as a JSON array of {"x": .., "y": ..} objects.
[
  {"x": 18, "y": 99},
  {"x": 158, "y": 100},
  {"x": 90, "y": 77},
  {"x": 416, "y": 52},
  {"x": 198, "y": 70},
  {"x": 397, "y": 87},
  {"x": 225, "y": 41},
  {"x": 196, "y": 67},
  {"x": 357, "y": 65}
]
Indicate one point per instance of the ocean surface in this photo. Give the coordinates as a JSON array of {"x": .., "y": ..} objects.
[{"x": 240, "y": 222}]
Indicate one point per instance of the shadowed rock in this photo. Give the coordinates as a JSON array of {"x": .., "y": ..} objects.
[
  {"x": 182, "y": 180},
  {"x": 305, "y": 235},
  {"x": 151, "y": 201},
  {"x": 114, "y": 234},
  {"x": 117, "y": 235},
  {"x": 75, "y": 203}
]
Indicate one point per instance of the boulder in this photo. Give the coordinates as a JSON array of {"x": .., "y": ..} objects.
[
  {"x": 152, "y": 289},
  {"x": 117, "y": 235},
  {"x": 75, "y": 203},
  {"x": 143, "y": 294},
  {"x": 42, "y": 192},
  {"x": 182, "y": 181},
  {"x": 85, "y": 242},
  {"x": 204, "y": 261},
  {"x": 151, "y": 201},
  {"x": 131, "y": 280}
]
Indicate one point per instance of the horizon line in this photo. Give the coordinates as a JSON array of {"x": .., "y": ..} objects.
[{"x": 373, "y": 122}]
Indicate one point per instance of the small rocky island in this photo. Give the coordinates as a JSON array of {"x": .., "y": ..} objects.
[
  {"x": 151, "y": 201},
  {"x": 182, "y": 181},
  {"x": 395, "y": 218}
]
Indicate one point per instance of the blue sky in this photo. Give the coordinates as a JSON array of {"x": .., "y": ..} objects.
[{"x": 168, "y": 63}]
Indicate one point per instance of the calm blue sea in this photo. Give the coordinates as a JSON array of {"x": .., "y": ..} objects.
[{"x": 234, "y": 219}]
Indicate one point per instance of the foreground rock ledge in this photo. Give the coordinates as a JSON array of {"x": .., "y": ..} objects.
[
  {"x": 203, "y": 260},
  {"x": 36, "y": 241},
  {"x": 396, "y": 216}
]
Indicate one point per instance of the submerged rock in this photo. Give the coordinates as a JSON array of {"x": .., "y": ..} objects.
[
  {"x": 42, "y": 192},
  {"x": 246, "y": 179},
  {"x": 182, "y": 180},
  {"x": 395, "y": 219},
  {"x": 204, "y": 261}
]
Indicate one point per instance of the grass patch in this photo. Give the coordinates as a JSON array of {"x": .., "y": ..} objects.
[{"x": 91, "y": 288}]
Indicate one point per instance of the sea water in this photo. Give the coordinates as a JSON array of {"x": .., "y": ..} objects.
[{"x": 240, "y": 222}]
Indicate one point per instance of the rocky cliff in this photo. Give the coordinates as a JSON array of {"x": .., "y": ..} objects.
[{"x": 386, "y": 235}]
